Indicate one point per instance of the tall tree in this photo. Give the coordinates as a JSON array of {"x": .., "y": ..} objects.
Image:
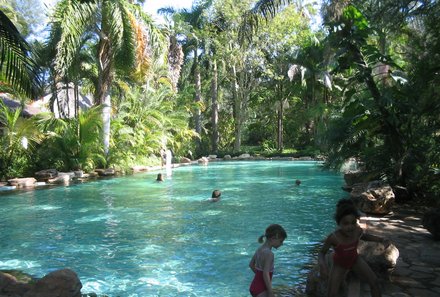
[{"x": 110, "y": 25}]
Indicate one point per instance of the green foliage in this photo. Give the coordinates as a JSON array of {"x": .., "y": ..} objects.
[
  {"x": 18, "y": 138},
  {"x": 72, "y": 144},
  {"x": 17, "y": 69},
  {"x": 145, "y": 122},
  {"x": 389, "y": 120}
]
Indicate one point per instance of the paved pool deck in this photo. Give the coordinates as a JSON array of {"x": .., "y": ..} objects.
[{"x": 417, "y": 273}]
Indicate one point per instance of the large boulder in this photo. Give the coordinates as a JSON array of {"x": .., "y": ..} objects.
[
  {"x": 59, "y": 283},
  {"x": 25, "y": 182},
  {"x": 382, "y": 261},
  {"x": 44, "y": 175},
  {"x": 185, "y": 160},
  {"x": 373, "y": 197},
  {"x": 62, "y": 178},
  {"x": 355, "y": 177},
  {"x": 106, "y": 172},
  {"x": 431, "y": 221},
  {"x": 10, "y": 286},
  {"x": 203, "y": 161}
]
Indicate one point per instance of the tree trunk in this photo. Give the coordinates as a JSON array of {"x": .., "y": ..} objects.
[
  {"x": 197, "y": 100},
  {"x": 103, "y": 92},
  {"x": 280, "y": 113},
  {"x": 214, "y": 107},
  {"x": 237, "y": 110}
]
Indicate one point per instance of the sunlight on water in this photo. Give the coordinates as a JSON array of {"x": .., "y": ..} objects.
[{"x": 132, "y": 236}]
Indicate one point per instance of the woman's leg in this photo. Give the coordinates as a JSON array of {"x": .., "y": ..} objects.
[
  {"x": 337, "y": 276},
  {"x": 364, "y": 271}
]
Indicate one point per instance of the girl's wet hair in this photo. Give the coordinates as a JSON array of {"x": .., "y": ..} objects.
[
  {"x": 216, "y": 194},
  {"x": 272, "y": 231},
  {"x": 344, "y": 208}
]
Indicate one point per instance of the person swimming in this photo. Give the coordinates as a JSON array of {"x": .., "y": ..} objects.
[
  {"x": 159, "y": 177},
  {"x": 216, "y": 195}
]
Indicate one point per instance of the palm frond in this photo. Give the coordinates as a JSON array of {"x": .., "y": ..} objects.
[
  {"x": 266, "y": 9},
  {"x": 17, "y": 68},
  {"x": 73, "y": 19},
  {"x": 122, "y": 24}
]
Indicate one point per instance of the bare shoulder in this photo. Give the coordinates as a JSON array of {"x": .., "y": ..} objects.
[
  {"x": 331, "y": 239},
  {"x": 265, "y": 253}
]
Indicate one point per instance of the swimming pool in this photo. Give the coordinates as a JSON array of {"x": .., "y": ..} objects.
[{"x": 131, "y": 236}]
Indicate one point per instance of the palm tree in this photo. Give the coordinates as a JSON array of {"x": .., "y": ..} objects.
[
  {"x": 191, "y": 24},
  {"x": 111, "y": 26},
  {"x": 17, "y": 69}
]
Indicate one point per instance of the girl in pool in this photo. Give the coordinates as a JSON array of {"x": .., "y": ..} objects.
[
  {"x": 262, "y": 263},
  {"x": 344, "y": 241}
]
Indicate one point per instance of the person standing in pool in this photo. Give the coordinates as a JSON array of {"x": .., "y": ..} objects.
[
  {"x": 262, "y": 262},
  {"x": 344, "y": 241}
]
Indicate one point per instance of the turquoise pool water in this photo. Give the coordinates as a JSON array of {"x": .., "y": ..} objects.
[{"x": 131, "y": 236}]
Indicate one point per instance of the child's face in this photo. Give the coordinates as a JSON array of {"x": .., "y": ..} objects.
[
  {"x": 277, "y": 241},
  {"x": 348, "y": 224}
]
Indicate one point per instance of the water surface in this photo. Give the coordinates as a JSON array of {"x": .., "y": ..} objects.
[{"x": 131, "y": 236}]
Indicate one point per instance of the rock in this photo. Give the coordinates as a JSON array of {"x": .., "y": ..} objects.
[
  {"x": 355, "y": 177},
  {"x": 203, "y": 161},
  {"x": 105, "y": 172},
  {"x": 78, "y": 173},
  {"x": 139, "y": 168},
  {"x": 44, "y": 175},
  {"x": 93, "y": 174},
  {"x": 62, "y": 178},
  {"x": 59, "y": 283},
  {"x": 10, "y": 286},
  {"x": 227, "y": 157},
  {"x": 185, "y": 160},
  {"x": 315, "y": 284},
  {"x": 381, "y": 261},
  {"x": 373, "y": 197},
  {"x": 212, "y": 157},
  {"x": 25, "y": 182},
  {"x": 431, "y": 222},
  {"x": 244, "y": 156}
]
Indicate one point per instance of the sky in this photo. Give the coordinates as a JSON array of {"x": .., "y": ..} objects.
[{"x": 151, "y": 6}]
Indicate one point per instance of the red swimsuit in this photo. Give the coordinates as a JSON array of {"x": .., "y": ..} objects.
[
  {"x": 345, "y": 255},
  {"x": 258, "y": 285}
]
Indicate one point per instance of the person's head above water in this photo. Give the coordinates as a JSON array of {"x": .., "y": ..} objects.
[
  {"x": 216, "y": 195},
  {"x": 159, "y": 177}
]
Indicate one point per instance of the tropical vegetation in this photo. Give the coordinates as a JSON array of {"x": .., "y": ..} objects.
[{"x": 227, "y": 77}]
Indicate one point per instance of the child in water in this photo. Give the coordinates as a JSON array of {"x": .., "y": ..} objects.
[
  {"x": 159, "y": 177},
  {"x": 344, "y": 241},
  {"x": 216, "y": 194},
  {"x": 262, "y": 263}
]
